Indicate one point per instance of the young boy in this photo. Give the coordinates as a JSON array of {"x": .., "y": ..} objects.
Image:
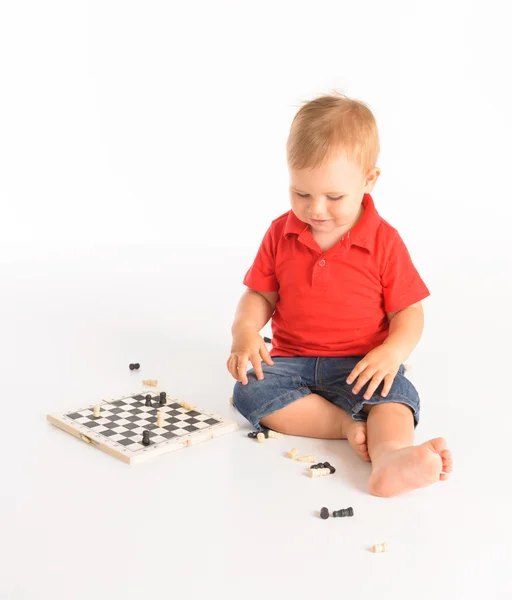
[{"x": 345, "y": 302}]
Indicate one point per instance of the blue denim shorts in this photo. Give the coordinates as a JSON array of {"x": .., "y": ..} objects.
[{"x": 291, "y": 378}]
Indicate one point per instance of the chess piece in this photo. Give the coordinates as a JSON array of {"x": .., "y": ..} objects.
[
  {"x": 148, "y": 400},
  {"x": 145, "y": 438},
  {"x": 344, "y": 512},
  {"x": 380, "y": 547},
  {"x": 163, "y": 398},
  {"x": 318, "y": 472},
  {"x": 310, "y": 459},
  {"x": 96, "y": 411},
  {"x": 324, "y": 513},
  {"x": 160, "y": 419}
]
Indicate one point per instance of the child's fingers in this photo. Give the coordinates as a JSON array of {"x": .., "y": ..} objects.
[
  {"x": 388, "y": 382},
  {"x": 265, "y": 355},
  {"x": 232, "y": 366},
  {"x": 242, "y": 369},
  {"x": 359, "y": 368},
  {"x": 256, "y": 365},
  {"x": 363, "y": 379},
  {"x": 374, "y": 384}
]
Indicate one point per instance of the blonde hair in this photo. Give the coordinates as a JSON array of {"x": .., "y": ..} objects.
[{"x": 332, "y": 124}]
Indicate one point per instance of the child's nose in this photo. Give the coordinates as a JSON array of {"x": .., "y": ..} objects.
[{"x": 317, "y": 206}]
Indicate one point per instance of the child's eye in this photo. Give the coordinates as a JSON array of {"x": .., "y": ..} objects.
[{"x": 306, "y": 195}]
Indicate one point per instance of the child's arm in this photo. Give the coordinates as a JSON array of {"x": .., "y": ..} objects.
[
  {"x": 253, "y": 312},
  {"x": 405, "y": 329},
  {"x": 382, "y": 363}
]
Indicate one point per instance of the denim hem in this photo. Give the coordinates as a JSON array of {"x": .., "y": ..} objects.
[{"x": 275, "y": 404}]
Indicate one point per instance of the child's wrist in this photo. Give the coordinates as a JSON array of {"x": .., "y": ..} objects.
[{"x": 401, "y": 352}]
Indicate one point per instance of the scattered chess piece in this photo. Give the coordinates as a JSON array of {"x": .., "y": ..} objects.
[
  {"x": 324, "y": 465},
  {"x": 150, "y": 382},
  {"x": 380, "y": 547},
  {"x": 293, "y": 453},
  {"x": 163, "y": 398},
  {"x": 260, "y": 437},
  {"x": 96, "y": 411},
  {"x": 148, "y": 400},
  {"x": 310, "y": 459},
  {"x": 187, "y": 405},
  {"x": 134, "y": 366},
  {"x": 318, "y": 472},
  {"x": 324, "y": 513},
  {"x": 145, "y": 438},
  {"x": 344, "y": 512},
  {"x": 274, "y": 434}
]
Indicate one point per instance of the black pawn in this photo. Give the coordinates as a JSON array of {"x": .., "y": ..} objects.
[
  {"x": 132, "y": 366},
  {"x": 163, "y": 398},
  {"x": 324, "y": 513},
  {"x": 148, "y": 400},
  {"x": 252, "y": 434},
  {"x": 145, "y": 438},
  {"x": 267, "y": 340},
  {"x": 136, "y": 366},
  {"x": 344, "y": 512},
  {"x": 331, "y": 469}
]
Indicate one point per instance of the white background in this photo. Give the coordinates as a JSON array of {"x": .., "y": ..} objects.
[{"x": 142, "y": 157}]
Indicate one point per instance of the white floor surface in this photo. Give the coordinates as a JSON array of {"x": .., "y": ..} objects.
[{"x": 230, "y": 518}]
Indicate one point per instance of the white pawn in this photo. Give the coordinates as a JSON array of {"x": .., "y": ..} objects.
[
  {"x": 319, "y": 472},
  {"x": 160, "y": 419},
  {"x": 96, "y": 410},
  {"x": 380, "y": 547}
]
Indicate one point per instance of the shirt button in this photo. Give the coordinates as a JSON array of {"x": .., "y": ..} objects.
[{"x": 322, "y": 263}]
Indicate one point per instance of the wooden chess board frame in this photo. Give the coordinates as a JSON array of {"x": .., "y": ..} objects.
[{"x": 92, "y": 438}]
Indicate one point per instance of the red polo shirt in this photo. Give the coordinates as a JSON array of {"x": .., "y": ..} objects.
[{"x": 334, "y": 303}]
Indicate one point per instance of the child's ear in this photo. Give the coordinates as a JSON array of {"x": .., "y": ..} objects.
[{"x": 371, "y": 179}]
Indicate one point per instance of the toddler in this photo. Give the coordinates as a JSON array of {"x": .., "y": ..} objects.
[{"x": 345, "y": 302}]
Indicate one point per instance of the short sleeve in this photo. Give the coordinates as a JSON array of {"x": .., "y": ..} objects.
[
  {"x": 262, "y": 274},
  {"x": 401, "y": 282}
]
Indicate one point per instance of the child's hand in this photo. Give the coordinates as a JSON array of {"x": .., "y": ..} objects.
[
  {"x": 382, "y": 363},
  {"x": 248, "y": 345}
]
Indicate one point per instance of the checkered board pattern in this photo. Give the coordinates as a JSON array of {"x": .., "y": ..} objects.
[{"x": 118, "y": 429}]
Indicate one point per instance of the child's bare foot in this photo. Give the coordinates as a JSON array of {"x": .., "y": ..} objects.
[
  {"x": 401, "y": 470},
  {"x": 355, "y": 433}
]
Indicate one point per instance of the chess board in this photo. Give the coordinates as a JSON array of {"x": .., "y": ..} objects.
[{"x": 118, "y": 429}]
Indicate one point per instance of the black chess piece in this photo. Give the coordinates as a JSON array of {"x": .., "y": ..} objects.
[
  {"x": 344, "y": 512},
  {"x": 324, "y": 513},
  {"x": 132, "y": 366},
  {"x": 137, "y": 366},
  {"x": 163, "y": 398},
  {"x": 148, "y": 400},
  {"x": 145, "y": 437}
]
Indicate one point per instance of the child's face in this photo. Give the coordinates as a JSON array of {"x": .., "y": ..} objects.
[{"x": 315, "y": 194}]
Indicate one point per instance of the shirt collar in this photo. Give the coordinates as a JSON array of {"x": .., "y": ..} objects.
[{"x": 362, "y": 234}]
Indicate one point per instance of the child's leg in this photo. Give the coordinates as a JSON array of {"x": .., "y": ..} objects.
[
  {"x": 397, "y": 465},
  {"x": 314, "y": 416}
]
